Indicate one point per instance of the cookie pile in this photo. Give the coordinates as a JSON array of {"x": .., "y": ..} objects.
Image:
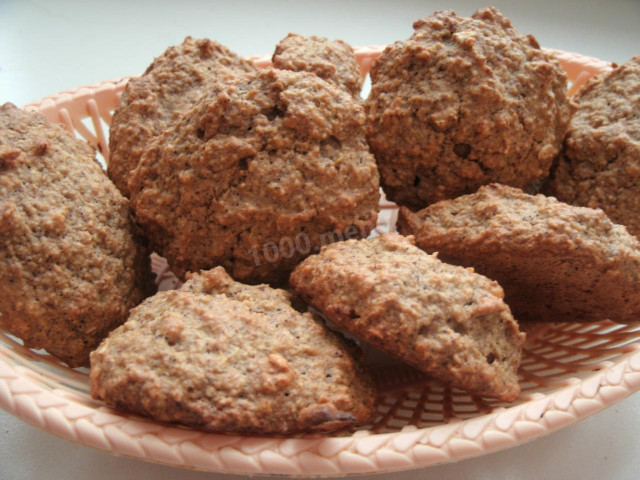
[{"x": 248, "y": 180}]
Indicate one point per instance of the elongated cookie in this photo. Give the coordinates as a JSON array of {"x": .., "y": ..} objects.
[
  {"x": 555, "y": 262},
  {"x": 442, "y": 319},
  {"x": 227, "y": 357},
  {"x": 72, "y": 262}
]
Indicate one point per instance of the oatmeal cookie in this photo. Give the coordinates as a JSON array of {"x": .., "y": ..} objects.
[
  {"x": 71, "y": 261},
  {"x": 256, "y": 176},
  {"x": 600, "y": 164},
  {"x": 445, "y": 320},
  {"x": 462, "y": 103},
  {"x": 555, "y": 262},
  {"x": 170, "y": 86},
  {"x": 332, "y": 60},
  {"x": 227, "y": 357}
]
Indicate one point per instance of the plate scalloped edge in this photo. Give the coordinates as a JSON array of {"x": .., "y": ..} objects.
[{"x": 103, "y": 428}]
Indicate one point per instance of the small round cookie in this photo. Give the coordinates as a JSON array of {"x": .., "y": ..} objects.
[
  {"x": 171, "y": 85},
  {"x": 600, "y": 164},
  {"x": 227, "y": 357},
  {"x": 556, "y": 262},
  {"x": 445, "y": 320},
  {"x": 462, "y": 103},
  {"x": 71, "y": 261},
  {"x": 332, "y": 60},
  {"x": 256, "y": 176}
]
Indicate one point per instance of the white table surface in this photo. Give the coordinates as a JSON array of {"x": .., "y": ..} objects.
[{"x": 49, "y": 46}]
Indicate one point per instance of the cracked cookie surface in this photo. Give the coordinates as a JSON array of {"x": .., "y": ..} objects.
[
  {"x": 600, "y": 164},
  {"x": 462, "y": 103},
  {"x": 255, "y": 175},
  {"x": 170, "y": 85},
  {"x": 228, "y": 357},
  {"x": 445, "y": 320}
]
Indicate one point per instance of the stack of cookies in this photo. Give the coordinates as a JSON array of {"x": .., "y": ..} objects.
[{"x": 261, "y": 189}]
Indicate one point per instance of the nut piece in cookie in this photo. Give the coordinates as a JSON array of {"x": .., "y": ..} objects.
[
  {"x": 71, "y": 261},
  {"x": 463, "y": 103},
  {"x": 228, "y": 357},
  {"x": 332, "y": 60},
  {"x": 600, "y": 164},
  {"x": 445, "y": 320},
  {"x": 555, "y": 262},
  {"x": 170, "y": 86},
  {"x": 255, "y": 175}
]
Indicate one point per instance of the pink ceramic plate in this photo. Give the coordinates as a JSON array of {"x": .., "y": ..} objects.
[{"x": 568, "y": 372}]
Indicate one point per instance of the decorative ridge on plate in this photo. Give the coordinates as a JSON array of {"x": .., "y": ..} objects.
[{"x": 363, "y": 452}]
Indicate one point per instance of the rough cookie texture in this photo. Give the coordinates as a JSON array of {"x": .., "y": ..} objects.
[
  {"x": 600, "y": 164},
  {"x": 332, "y": 60},
  {"x": 442, "y": 319},
  {"x": 256, "y": 175},
  {"x": 555, "y": 262},
  {"x": 170, "y": 86},
  {"x": 223, "y": 356},
  {"x": 71, "y": 262},
  {"x": 462, "y": 103}
]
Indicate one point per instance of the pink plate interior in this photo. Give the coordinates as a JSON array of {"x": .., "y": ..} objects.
[{"x": 568, "y": 371}]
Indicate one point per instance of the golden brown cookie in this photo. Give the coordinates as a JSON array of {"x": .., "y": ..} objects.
[
  {"x": 555, "y": 262},
  {"x": 170, "y": 86},
  {"x": 227, "y": 357},
  {"x": 332, "y": 60},
  {"x": 445, "y": 320},
  {"x": 600, "y": 164},
  {"x": 256, "y": 176},
  {"x": 462, "y": 103},
  {"x": 71, "y": 261}
]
